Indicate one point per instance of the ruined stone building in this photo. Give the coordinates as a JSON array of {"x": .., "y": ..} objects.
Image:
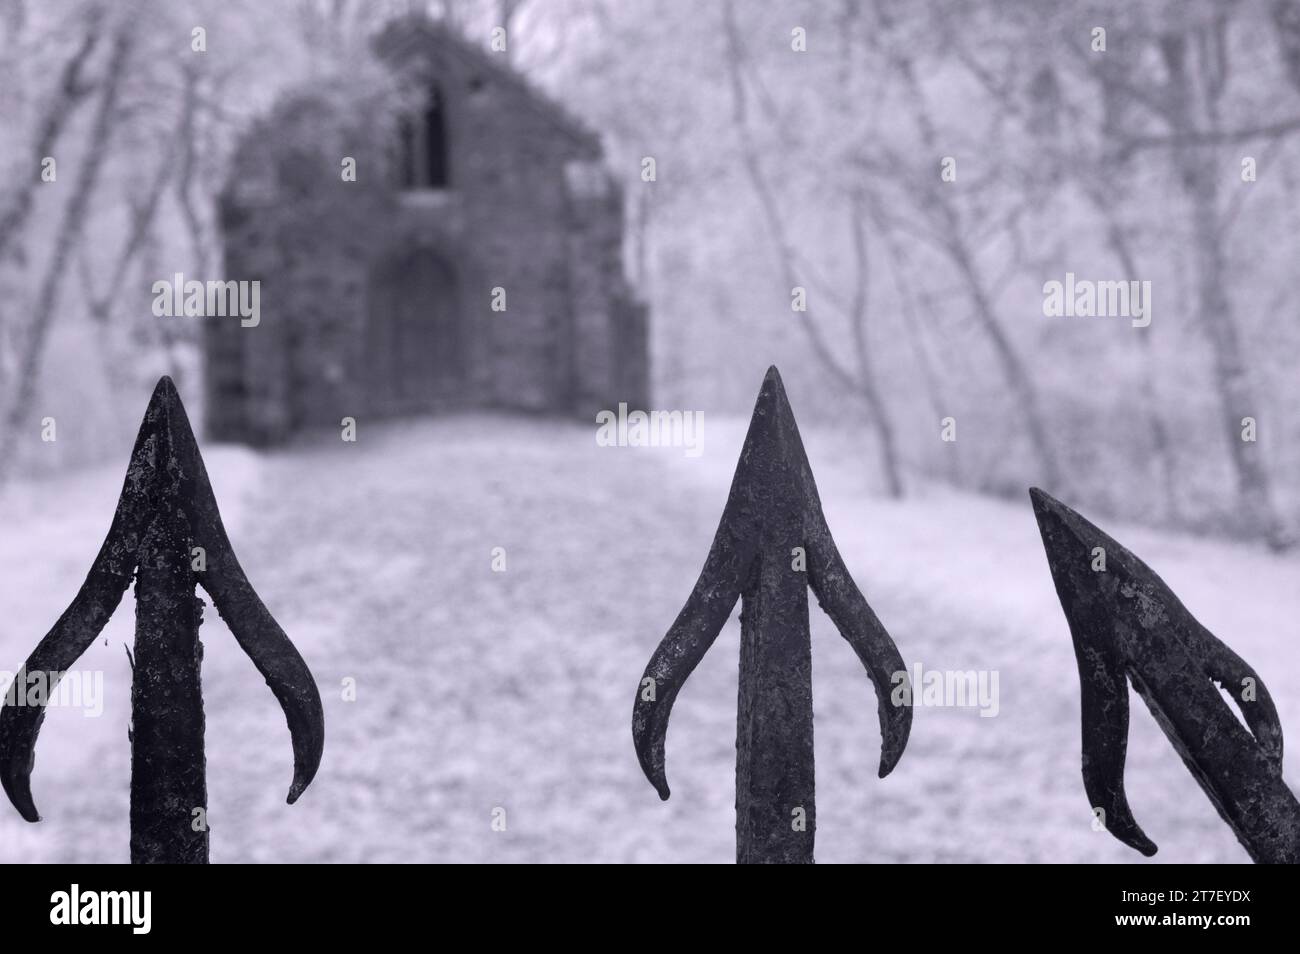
[{"x": 473, "y": 258}]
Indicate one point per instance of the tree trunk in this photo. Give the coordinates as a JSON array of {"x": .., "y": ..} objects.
[
  {"x": 66, "y": 240},
  {"x": 1201, "y": 87},
  {"x": 1236, "y": 399},
  {"x": 1161, "y": 446},
  {"x": 862, "y": 384},
  {"x": 875, "y": 401},
  {"x": 1013, "y": 369},
  {"x": 69, "y": 93}
]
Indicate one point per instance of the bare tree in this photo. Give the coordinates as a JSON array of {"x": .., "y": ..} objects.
[
  {"x": 67, "y": 236},
  {"x": 69, "y": 92},
  {"x": 952, "y": 236},
  {"x": 1187, "y": 102},
  {"x": 862, "y": 379},
  {"x": 1197, "y": 62}
]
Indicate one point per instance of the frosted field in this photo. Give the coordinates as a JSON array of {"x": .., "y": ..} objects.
[{"x": 478, "y": 690}]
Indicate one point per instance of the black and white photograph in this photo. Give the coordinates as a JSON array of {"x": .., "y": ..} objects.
[{"x": 409, "y": 409}]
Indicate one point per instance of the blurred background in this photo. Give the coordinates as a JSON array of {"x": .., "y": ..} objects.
[{"x": 913, "y": 174}]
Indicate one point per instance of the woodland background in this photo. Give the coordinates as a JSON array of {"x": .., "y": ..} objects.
[{"x": 775, "y": 168}]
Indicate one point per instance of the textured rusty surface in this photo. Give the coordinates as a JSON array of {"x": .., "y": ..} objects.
[
  {"x": 165, "y": 510},
  {"x": 1126, "y": 623},
  {"x": 168, "y": 779},
  {"x": 771, "y": 509}
]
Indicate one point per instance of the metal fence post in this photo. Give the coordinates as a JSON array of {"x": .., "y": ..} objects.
[
  {"x": 167, "y": 534},
  {"x": 771, "y": 544},
  {"x": 1127, "y": 623}
]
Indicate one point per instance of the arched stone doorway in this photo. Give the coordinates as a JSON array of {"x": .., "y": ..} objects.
[{"x": 414, "y": 347}]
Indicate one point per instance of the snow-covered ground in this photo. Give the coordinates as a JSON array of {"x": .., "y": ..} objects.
[{"x": 479, "y": 690}]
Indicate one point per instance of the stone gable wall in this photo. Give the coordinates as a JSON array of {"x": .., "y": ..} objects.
[{"x": 513, "y": 216}]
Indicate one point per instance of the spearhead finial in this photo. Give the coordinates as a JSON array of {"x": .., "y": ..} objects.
[
  {"x": 1127, "y": 625},
  {"x": 165, "y": 515},
  {"x": 771, "y": 546}
]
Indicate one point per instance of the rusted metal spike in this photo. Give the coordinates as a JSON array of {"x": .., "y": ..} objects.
[
  {"x": 166, "y": 516},
  {"x": 772, "y": 515},
  {"x": 1126, "y": 622}
]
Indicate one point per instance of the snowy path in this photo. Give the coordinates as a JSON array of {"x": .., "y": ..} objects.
[{"x": 478, "y": 690}]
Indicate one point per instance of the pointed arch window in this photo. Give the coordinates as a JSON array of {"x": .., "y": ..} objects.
[{"x": 424, "y": 154}]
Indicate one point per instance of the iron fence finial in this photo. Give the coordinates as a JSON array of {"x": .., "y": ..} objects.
[
  {"x": 165, "y": 518},
  {"x": 1127, "y": 625},
  {"x": 771, "y": 545}
]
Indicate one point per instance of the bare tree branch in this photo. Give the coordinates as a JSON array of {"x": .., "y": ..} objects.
[
  {"x": 72, "y": 89},
  {"x": 68, "y": 235}
]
